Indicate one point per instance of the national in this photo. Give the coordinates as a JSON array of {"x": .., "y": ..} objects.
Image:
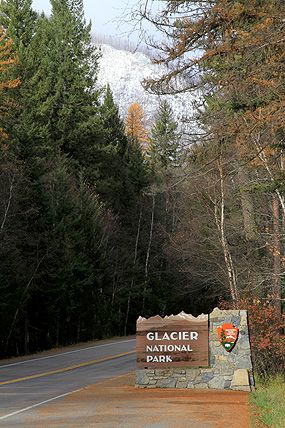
[{"x": 168, "y": 348}]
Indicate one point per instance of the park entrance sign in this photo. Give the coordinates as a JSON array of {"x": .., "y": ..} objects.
[
  {"x": 175, "y": 341},
  {"x": 181, "y": 351}
]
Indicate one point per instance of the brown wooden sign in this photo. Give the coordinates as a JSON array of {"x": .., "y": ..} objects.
[{"x": 175, "y": 341}]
